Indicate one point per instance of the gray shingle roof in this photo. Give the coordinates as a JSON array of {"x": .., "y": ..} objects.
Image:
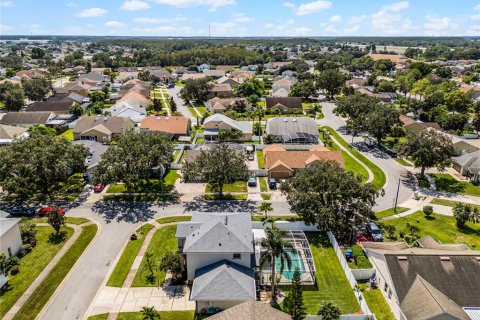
[
  {"x": 223, "y": 281},
  {"x": 251, "y": 310},
  {"x": 24, "y": 118},
  {"x": 7, "y": 223},
  {"x": 243, "y": 126},
  {"x": 220, "y": 232},
  {"x": 286, "y": 126}
]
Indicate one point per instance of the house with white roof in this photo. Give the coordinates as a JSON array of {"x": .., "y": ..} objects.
[
  {"x": 136, "y": 113},
  {"x": 218, "y": 122}
]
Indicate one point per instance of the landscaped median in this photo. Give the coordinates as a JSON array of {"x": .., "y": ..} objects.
[
  {"x": 164, "y": 315},
  {"x": 379, "y": 177},
  {"x": 39, "y": 298}
]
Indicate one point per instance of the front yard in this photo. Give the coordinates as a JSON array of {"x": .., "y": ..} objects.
[
  {"x": 447, "y": 183},
  {"x": 164, "y": 315},
  {"x": 442, "y": 228},
  {"x": 156, "y": 185},
  {"x": 389, "y": 212},
  {"x": 239, "y": 186}
]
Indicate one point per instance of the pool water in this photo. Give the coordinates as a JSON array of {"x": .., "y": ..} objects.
[{"x": 296, "y": 262}]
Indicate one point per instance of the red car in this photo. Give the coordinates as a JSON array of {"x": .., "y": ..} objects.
[
  {"x": 46, "y": 210},
  {"x": 98, "y": 187}
]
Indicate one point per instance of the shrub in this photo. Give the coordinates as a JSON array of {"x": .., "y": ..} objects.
[
  {"x": 24, "y": 250},
  {"x": 427, "y": 210},
  {"x": 357, "y": 251},
  {"x": 14, "y": 270},
  {"x": 363, "y": 263}
]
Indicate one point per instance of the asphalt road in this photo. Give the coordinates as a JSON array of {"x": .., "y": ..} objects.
[{"x": 173, "y": 92}]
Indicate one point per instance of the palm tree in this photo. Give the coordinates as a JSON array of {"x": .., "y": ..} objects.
[
  {"x": 265, "y": 207},
  {"x": 149, "y": 313},
  {"x": 274, "y": 247}
]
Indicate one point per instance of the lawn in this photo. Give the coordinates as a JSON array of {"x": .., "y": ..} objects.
[
  {"x": 352, "y": 165},
  {"x": 422, "y": 181},
  {"x": 138, "y": 197},
  {"x": 266, "y": 196},
  {"x": 30, "y": 267},
  {"x": 119, "y": 274},
  {"x": 238, "y": 186},
  {"x": 175, "y": 155},
  {"x": 163, "y": 240},
  {"x": 202, "y": 110},
  {"x": 376, "y": 302},
  {"x": 164, "y": 315},
  {"x": 261, "y": 217},
  {"x": 192, "y": 111},
  {"x": 450, "y": 203},
  {"x": 173, "y": 219},
  {"x": 447, "y": 183},
  {"x": 379, "y": 177},
  {"x": 68, "y": 135},
  {"x": 263, "y": 184},
  {"x": 389, "y": 212},
  {"x": 211, "y": 197},
  {"x": 403, "y": 162},
  {"x": 442, "y": 228},
  {"x": 156, "y": 185},
  {"x": 70, "y": 220},
  {"x": 331, "y": 284},
  {"x": 40, "y": 297},
  {"x": 260, "y": 159}
]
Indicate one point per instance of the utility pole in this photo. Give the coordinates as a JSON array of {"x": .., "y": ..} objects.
[{"x": 396, "y": 197}]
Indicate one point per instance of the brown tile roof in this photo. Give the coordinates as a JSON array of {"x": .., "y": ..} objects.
[
  {"x": 225, "y": 68},
  {"x": 406, "y": 120},
  {"x": 176, "y": 125},
  {"x": 288, "y": 102},
  {"x": 251, "y": 310},
  {"x": 300, "y": 159},
  {"x": 9, "y": 132},
  {"x": 58, "y": 107},
  {"x": 24, "y": 118},
  {"x": 113, "y": 124}
]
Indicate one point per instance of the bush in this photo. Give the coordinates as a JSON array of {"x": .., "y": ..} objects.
[
  {"x": 14, "y": 270},
  {"x": 24, "y": 250},
  {"x": 427, "y": 210},
  {"x": 363, "y": 263},
  {"x": 357, "y": 251}
]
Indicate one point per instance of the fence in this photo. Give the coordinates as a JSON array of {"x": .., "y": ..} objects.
[{"x": 348, "y": 272}]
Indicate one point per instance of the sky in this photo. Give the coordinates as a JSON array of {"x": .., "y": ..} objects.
[{"x": 238, "y": 18}]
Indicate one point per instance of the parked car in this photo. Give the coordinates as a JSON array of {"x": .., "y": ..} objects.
[
  {"x": 46, "y": 210},
  {"x": 99, "y": 187},
  {"x": 252, "y": 182},
  {"x": 374, "y": 231},
  {"x": 251, "y": 156},
  {"x": 272, "y": 183},
  {"x": 171, "y": 85},
  {"x": 21, "y": 210}
]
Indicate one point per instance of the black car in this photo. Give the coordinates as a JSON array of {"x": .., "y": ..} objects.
[
  {"x": 21, "y": 211},
  {"x": 374, "y": 231}
]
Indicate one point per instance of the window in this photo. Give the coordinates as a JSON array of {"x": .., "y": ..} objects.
[
  {"x": 389, "y": 295},
  {"x": 237, "y": 256},
  {"x": 385, "y": 288},
  {"x": 9, "y": 252}
]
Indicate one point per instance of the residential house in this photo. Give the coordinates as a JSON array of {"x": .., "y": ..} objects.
[
  {"x": 159, "y": 73},
  {"x": 96, "y": 77},
  {"x": 251, "y": 310},
  {"x": 174, "y": 126},
  {"x": 284, "y": 104},
  {"x": 135, "y": 99},
  {"x": 137, "y": 86},
  {"x": 95, "y": 152},
  {"x": 382, "y": 96},
  {"x": 136, "y": 113},
  {"x": 126, "y": 75},
  {"x": 400, "y": 61},
  {"x": 433, "y": 281},
  {"x": 214, "y": 73},
  {"x": 219, "y": 105},
  {"x": 281, "y": 164},
  {"x": 203, "y": 67},
  {"x": 217, "y": 122},
  {"x": 293, "y": 130},
  {"x": 225, "y": 68},
  {"x": 226, "y": 80},
  {"x": 468, "y": 165},
  {"x": 9, "y": 133},
  {"x": 193, "y": 76},
  {"x": 281, "y": 87},
  {"x": 221, "y": 91},
  {"x": 77, "y": 87},
  {"x": 31, "y": 74},
  {"x": 101, "y": 128},
  {"x": 178, "y": 70},
  {"x": 288, "y": 73},
  {"x": 218, "y": 250},
  {"x": 242, "y": 76},
  {"x": 57, "y": 107},
  {"x": 26, "y": 119},
  {"x": 10, "y": 240}
]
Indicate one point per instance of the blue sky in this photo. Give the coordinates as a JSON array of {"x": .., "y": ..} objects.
[{"x": 240, "y": 17}]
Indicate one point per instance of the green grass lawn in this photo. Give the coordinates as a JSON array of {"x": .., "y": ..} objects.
[
  {"x": 171, "y": 177},
  {"x": 447, "y": 183},
  {"x": 422, "y": 181},
  {"x": 263, "y": 184},
  {"x": 243, "y": 196},
  {"x": 389, "y": 212},
  {"x": 119, "y": 274},
  {"x": 102, "y": 316},
  {"x": 332, "y": 284},
  {"x": 379, "y": 178},
  {"x": 68, "y": 135},
  {"x": 174, "y": 219},
  {"x": 40, "y": 297},
  {"x": 138, "y": 197},
  {"x": 175, "y": 155},
  {"x": 163, "y": 240},
  {"x": 450, "y": 203},
  {"x": 30, "y": 267},
  {"x": 164, "y": 315},
  {"x": 156, "y": 185},
  {"x": 376, "y": 302},
  {"x": 70, "y": 220},
  {"x": 238, "y": 186},
  {"x": 442, "y": 228},
  {"x": 192, "y": 110},
  {"x": 403, "y": 162},
  {"x": 202, "y": 110},
  {"x": 260, "y": 159},
  {"x": 352, "y": 165}
]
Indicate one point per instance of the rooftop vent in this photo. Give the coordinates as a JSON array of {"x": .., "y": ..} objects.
[
  {"x": 445, "y": 258},
  {"x": 285, "y": 120},
  {"x": 402, "y": 258},
  {"x": 220, "y": 244},
  {"x": 478, "y": 259},
  {"x": 294, "y": 120}
]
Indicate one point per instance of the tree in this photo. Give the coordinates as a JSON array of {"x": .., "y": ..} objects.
[
  {"x": 464, "y": 212},
  {"x": 390, "y": 230},
  {"x": 329, "y": 311},
  {"x": 457, "y": 101},
  {"x": 304, "y": 89},
  {"x": 157, "y": 105},
  {"x": 275, "y": 247},
  {"x": 384, "y": 86},
  {"x": 196, "y": 90},
  {"x": 356, "y": 108},
  {"x": 42, "y": 130},
  {"x": 149, "y": 313},
  {"x": 133, "y": 158},
  {"x": 265, "y": 207},
  {"x": 444, "y": 72},
  {"x": 76, "y": 109},
  {"x": 331, "y": 81},
  {"x": 380, "y": 121},
  {"x": 173, "y": 105},
  {"x": 37, "y": 89},
  {"x": 251, "y": 86},
  {"x": 229, "y": 135},
  {"x": 37, "y": 53},
  {"x": 56, "y": 219},
  {"x": 172, "y": 262},
  {"x": 326, "y": 195},
  {"x": 427, "y": 210},
  {"x": 28, "y": 231},
  {"x": 384, "y": 65},
  {"x": 12, "y": 95},
  {"x": 294, "y": 300},
  {"x": 476, "y": 116},
  {"x": 97, "y": 96},
  {"x": 217, "y": 166},
  {"x": 39, "y": 165},
  {"x": 427, "y": 149}
]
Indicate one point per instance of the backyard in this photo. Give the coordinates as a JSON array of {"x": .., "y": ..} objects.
[
  {"x": 447, "y": 183},
  {"x": 442, "y": 228},
  {"x": 376, "y": 302}
]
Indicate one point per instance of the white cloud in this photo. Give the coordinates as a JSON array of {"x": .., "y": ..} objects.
[
  {"x": 92, "y": 12},
  {"x": 477, "y": 7},
  {"x": 6, "y": 4},
  {"x": 336, "y": 18},
  {"x": 329, "y": 28},
  {"x": 356, "y": 19},
  {"x": 476, "y": 17},
  {"x": 473, "y": 30},
  {"x": 389, "y": 20},
  {"x": 241, "y": 17},
  {"x": 144, "y": 20},
  {"x": 269, "y": 25},
  {"x": 352, "y": 29},
  {"x": 213, "y": 4},
  {"x": 135, "y": 5},
  {"x": 310, "y": 7},
  {"x": 72, "y": 5},
  {"x": 114, "y": 24},
  {"x": 437, "y": 26},
  {"x": 301, "y": 31},
  {"x": 165, "y": 31},
  {"x": 397, "y": 6},
  {"x": 230, "y": 28}
]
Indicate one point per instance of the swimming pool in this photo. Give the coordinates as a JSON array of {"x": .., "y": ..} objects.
[{"x": 296, "y": 262}]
